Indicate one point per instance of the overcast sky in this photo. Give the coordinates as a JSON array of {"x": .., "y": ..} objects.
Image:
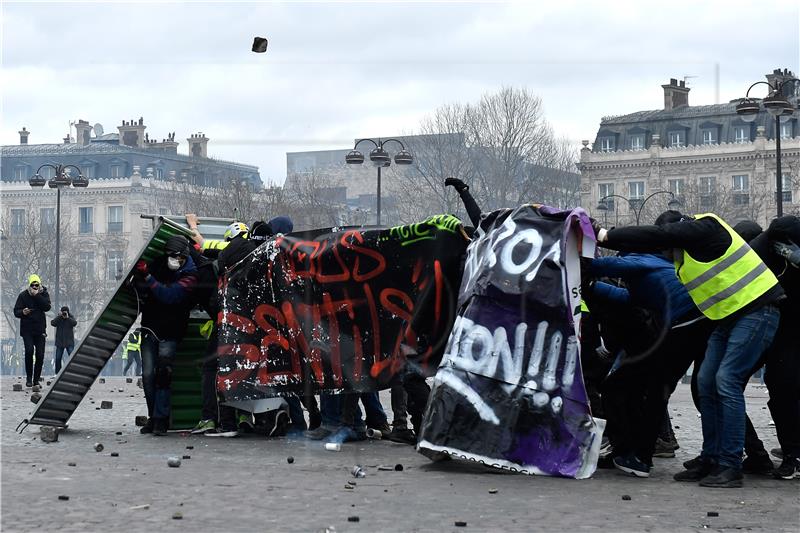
[{"x": 337, "y": 71}]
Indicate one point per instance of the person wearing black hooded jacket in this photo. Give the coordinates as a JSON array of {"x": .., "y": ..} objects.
[{"x": 65, "y": 335}]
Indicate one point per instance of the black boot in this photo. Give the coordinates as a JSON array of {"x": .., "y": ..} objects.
[{"x": 723, "y": 477}]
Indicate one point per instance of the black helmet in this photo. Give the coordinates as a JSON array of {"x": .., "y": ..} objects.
[{"x": 177, "y": 244}]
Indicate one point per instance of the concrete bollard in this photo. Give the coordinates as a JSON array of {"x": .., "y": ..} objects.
[{"x": 17, "y": 387}]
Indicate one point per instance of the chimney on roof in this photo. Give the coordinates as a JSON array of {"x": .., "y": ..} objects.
[
  {"x": 675, "y": 94},
  {"x": 23, "y": 135},
  {"x": 779, "y": 76},
  {"x": 67, "y": 139},
  {"x": 83, "y": 133},
  {"x": 131, "y": 133},
  {"x": 198, "y": 145}
]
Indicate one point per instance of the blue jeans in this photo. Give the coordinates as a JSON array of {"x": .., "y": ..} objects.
[
  {"x": 330, "y": 409},
  {"x": 733, "y": 350},
  {"x": 59, "y": 354},
  {"x": 157, "y": 359}
]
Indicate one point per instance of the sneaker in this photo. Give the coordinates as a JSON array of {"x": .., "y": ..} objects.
[
  {"x": 693, "y": 464},
  {"x": 147, "y": 428},
  {"x": 663, "y": 449},
  {"x": 631, "y": 465},
  {"x": 776, "y": 453},
  {"x": 403, "y": 436},
  {"x": 698, "y": 469},
  {"x": 221, "y": 432},
  {"x": 160, "y": 427},
  {"x": 384, "y": 428},
  {"x": 281, "y": 424},
  {"x": 320, "y": 433},
  {"x": 759, "y": 463},
  {"x": 245, "y": 422},
  {"x": 723, "y": 477},
  {"x": 789, "y": 469},
  {"x": 348, "y": 434},
  {"x": 203, "y": 426}
]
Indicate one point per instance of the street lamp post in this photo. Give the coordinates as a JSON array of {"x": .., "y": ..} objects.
[
  {"x": 61, "y": 179},
  {"x": 779, "y": 107},
  {"x": 381, "y": 158},
  {"x": 672, "y": 204}
]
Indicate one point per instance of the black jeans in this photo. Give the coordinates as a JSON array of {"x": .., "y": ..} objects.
[
  {"x": 635, "y": 396},
  {"x": 60, "y": 353},
  {"x": 782, "y": 377},
  {"x": 33, "y": 343}
]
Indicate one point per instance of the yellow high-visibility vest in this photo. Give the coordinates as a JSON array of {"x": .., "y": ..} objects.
[
  {"x": 727, "y": 284},
  {"x": 214, "y": 244},
  {"x": 135, "y": 346}
]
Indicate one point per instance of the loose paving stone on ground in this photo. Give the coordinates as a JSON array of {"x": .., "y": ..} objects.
[{"x": 247, "y": 483}]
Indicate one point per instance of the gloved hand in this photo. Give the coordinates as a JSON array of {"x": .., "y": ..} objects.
[
  {"x": 457, "y": 184},
  {"x": 141, "y": 269},
  {"x": 790, "y": 252}
]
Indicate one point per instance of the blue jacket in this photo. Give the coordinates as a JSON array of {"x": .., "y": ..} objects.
[{"x": 652, "y": 284}]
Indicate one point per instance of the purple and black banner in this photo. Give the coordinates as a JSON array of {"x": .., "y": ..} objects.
[{"x": 509, "y": 392}]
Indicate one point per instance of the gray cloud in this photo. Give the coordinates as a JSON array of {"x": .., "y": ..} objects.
[{"x": 334, "y": 72}]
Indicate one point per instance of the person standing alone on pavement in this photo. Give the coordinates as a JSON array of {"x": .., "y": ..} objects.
[
  {"x": 65, "y": 324},
  {"x": 132, "y": 351},
  {"x": 31, "y": 305}
]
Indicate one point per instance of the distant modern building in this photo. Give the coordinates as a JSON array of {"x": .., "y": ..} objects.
[
  {"x": 102, "y": 231},
  {"x": 706, "y": 155}
]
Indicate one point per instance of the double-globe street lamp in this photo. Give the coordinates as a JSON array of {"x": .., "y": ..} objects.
[
  {"x": 61, "y": 178},
  {"x": 381, "y": 158},
  {"x": 779, "y": 107},
  {"x": 603, "y": 204}
]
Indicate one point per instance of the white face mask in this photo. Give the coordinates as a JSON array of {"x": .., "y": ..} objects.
[{"x": 173, "y": 263}]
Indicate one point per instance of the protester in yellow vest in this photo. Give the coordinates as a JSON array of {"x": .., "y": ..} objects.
[
  {"x": 732, "y": 286},
  {"x": 132, "y": 352}
]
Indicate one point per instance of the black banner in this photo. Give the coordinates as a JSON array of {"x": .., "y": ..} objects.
[{"x": 343, "y": 310}]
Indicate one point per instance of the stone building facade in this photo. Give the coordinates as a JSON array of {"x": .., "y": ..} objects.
[
  {"x": 706, "y": 155},
  {"x": 101, "y": 226}
]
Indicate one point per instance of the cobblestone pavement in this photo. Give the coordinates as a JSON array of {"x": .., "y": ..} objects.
[{"x": 247, "y": 484}]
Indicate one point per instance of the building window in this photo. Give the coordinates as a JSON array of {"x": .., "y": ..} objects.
[
  {"x": 17, "y": 269},
  {"x": 741, "y": 189},
  {"x": 606, "y": 189},
  {"x": 86, "y": 265},
  {"x": 116, "y": 171},
  {"x": 114, "y": 266},
  {"x": 707, "y": 190},
  {"x": 85, "y": 220},
  {"x": 741, "y": 134},
  {"x": 47, "y": 220},
  {"x": 17, "y": 221},
  {"x": 787, "y": 188},
  {"x": 115, "y": 219},
  {"x": 677, "y": 139},
  {"x": 47, "y": 173},
  {"x": 87, "y": 171},
  {"x": 637, "y": 141},
  {"x": 676, "y": 186},
  {"x": 160, "y": 173},
  {"x": 607, "y": 144},
  {"x": 21, "y": 173},
  {"x": 710, "y": 136},
  {"x": 786, "y": 130},
  {"x": 636, "y": 190}
]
